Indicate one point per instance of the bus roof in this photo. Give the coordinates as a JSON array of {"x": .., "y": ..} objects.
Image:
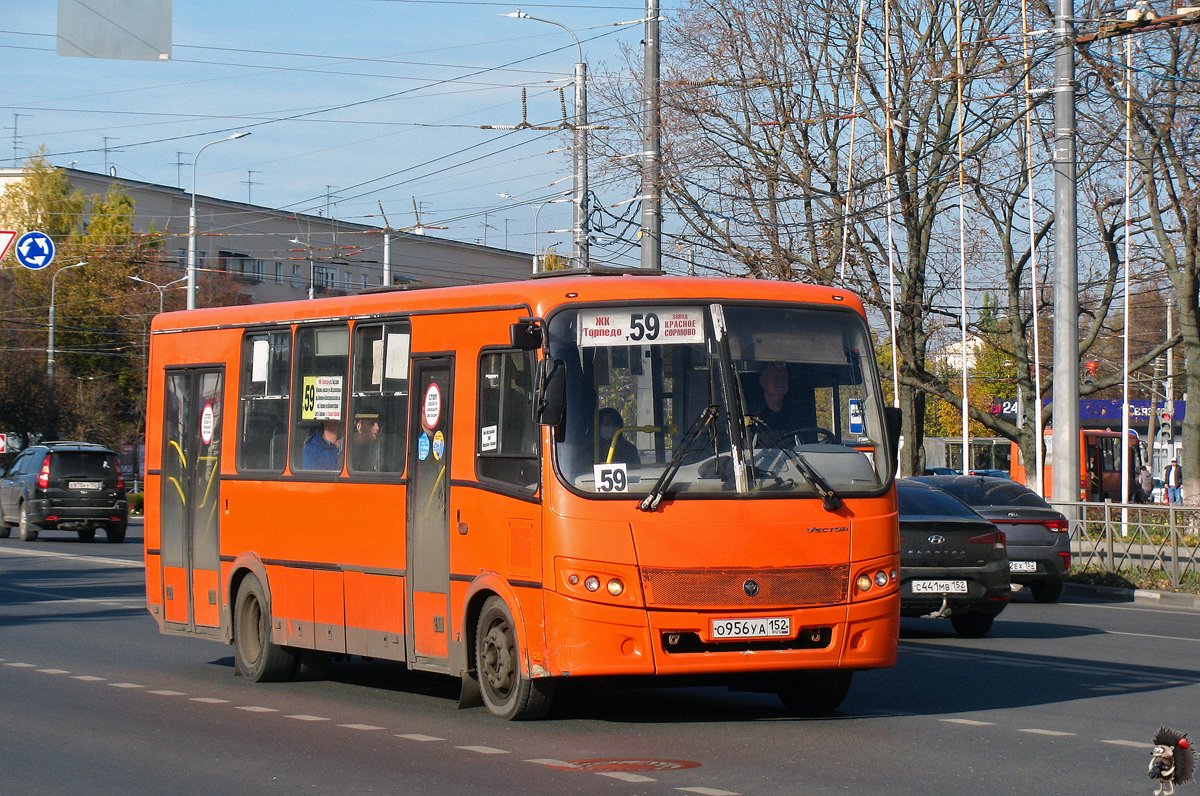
[{"x": 540, "y": 294}]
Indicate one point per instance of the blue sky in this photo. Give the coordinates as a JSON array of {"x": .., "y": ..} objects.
[{"x": 367, "y": 101}]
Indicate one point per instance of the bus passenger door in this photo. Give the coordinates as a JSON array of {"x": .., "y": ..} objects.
[
  {"x": 428, "y": 633},
  {"x": 190, "y": 498}
]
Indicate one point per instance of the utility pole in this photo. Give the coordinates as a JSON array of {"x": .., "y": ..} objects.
[
  {"x": 1065, "y": 487},
  {"x": 250, "y": 182},
  {"x": 179, "y": 164},
  {"x": 16, "y": 139},
  {"x": 651, "y": 249}
]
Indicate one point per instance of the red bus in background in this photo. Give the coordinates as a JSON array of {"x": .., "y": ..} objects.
[{"x": 1099, "y": 464}]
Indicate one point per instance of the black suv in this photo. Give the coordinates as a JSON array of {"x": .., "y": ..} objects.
[{"x": 64, "y": 485}]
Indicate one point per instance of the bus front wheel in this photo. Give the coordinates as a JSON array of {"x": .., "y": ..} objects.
[
  {"x": 816, "y": 691},
  {"x": 507, "y": 692},
  {"x": 259, "y": 659}
]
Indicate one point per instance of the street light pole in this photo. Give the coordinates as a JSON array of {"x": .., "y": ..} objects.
[
  {"x": 50, "y": 341},
  {"x": 160, "y": 288},
  {"x": 191, "y": 266},
  {"x": 580, "y": 226},
  {"x": 536, "y": 259}
]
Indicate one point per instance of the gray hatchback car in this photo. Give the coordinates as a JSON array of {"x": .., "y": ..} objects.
[{"x": 1039, "y": 546}]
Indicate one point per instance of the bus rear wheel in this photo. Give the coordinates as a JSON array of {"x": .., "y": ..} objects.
[
  {"x": 816, "y": 691},
  {"x": 259, "y": 659},
  {"x": 507, "y": 692}
]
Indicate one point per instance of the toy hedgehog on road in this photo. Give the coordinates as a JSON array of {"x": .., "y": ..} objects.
[{"x": 1172, "y": 762}]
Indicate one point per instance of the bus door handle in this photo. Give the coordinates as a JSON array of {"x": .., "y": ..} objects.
[{"x": 462, "y": 526}]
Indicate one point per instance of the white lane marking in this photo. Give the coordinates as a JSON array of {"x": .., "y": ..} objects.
[
  {"x": 484, "y": 750},
  {"x": 62, "y": 598},
  {"x": 363, "y": 727},
  {"x": 709, "y": 791},
  {"x": 125, "y": 685},
  {"x": 166, "y": 692},
  {"x": 22, "y": 665},
  {"x": 256, "y": 709},
  {"x": 1046, "y": 732},
  {"x": 1149, "y": 635},
  {"x": 306, "y": 717},
  {"x": 625, "y": 776},
  {"x": 1131, "y": 608},
  {"x": 53, "y": 671},
  {"x": 554, "y": 763},
  {"x": 416, "y": 736},
  {"x": 209, "y": 700},
  {"x": 117, "y": 562},
  {"x": 1134, "y": 744},
  {"x": 88, "y": 678},
  {"x": 970, "y": 722}
]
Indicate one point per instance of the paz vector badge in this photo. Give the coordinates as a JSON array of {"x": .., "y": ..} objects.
[{"x": 1172, "y": 760}]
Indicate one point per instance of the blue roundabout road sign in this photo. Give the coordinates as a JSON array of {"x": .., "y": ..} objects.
[{"x": 35, "y": 250}]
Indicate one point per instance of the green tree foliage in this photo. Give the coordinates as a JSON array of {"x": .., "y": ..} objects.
[{"x": 102, "y": 316}]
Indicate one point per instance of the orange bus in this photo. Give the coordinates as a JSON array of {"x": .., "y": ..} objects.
[
  {"x": 517, "y": 483},
  {"x": 1099, "y": 464}
]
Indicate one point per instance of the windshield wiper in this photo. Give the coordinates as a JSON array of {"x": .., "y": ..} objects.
[
  {"x": 829, "y": 499},
  {"x": 703, "y": 420}
]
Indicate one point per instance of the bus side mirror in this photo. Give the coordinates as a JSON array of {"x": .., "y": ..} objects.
[
  {"x": 551, "y": 407},
  {"x": 526, "y": 334},
  {"x": 892, "y": 418}
]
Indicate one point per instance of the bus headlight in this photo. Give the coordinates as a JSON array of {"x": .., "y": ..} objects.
[
  {"x": 615, "y": 587},
  {"x": 863, "y": 583},
  {"x": 592, "y": 583},
  {"x": 881, "y": 578}
]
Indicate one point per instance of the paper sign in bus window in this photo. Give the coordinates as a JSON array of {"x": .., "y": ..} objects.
[
  {"x": 322, "y": 398},
  {"x": 259, "y": 356},
  {"x": 397, "y": 356}
]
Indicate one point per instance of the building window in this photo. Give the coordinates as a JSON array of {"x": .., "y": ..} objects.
[{"x": 279, "y": 273}]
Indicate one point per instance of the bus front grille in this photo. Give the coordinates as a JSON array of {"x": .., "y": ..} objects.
[{"x": 746, "y": 588}]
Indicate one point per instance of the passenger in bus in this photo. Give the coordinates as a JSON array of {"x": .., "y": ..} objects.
[
  {"x": 365, "y": 446},
  {"x": 323, "y": 450},
  {"x": 773, "y": 407},
  {"x": 611, "y": 423}
]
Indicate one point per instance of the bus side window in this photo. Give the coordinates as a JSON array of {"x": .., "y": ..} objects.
[
  {"x": 319, "y": 415},
  {"x": 266, "y": 368},
  {"x": 379, "y": 398},
  {"x": 507, "y": 438}
]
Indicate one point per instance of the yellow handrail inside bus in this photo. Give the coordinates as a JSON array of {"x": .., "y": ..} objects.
[
  {"x": 648, "y": 429},
  {"x": 182, "y": 458},
  {"x": 433, "y": 491}
]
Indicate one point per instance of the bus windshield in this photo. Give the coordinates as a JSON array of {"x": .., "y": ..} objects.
[{"x": 764, "y": 400}]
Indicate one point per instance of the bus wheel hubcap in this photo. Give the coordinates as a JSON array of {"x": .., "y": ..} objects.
[{"x": 497, "y": 659}]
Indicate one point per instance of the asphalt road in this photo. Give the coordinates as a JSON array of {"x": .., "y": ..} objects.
[{"x": 1060, "y": 698}]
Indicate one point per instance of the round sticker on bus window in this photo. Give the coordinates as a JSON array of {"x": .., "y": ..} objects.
[
  {"x": 439, "y": 445},
  {"x": 208, "y": 422},
  {"x": 433, "y": 406}
]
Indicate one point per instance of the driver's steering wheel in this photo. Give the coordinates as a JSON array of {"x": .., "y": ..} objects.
[{"x": 823, "y": 435}]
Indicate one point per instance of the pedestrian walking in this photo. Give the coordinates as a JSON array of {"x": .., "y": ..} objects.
[{"x": 1174, "y": 480}]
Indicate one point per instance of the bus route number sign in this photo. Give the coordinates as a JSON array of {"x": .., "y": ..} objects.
[
  {"x": 611, "y": 477},
  {"x": 641, "y": 326}
]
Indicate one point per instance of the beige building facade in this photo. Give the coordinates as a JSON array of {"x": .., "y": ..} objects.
[{"x": 276, "y": 255}]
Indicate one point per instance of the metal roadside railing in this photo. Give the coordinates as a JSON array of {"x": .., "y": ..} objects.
[{"x": 1116, "y": 536}]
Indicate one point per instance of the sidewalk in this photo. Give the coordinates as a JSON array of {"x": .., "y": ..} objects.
[{"x": 1161, "y": 599}]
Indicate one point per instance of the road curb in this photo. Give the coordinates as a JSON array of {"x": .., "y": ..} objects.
[{"x": 1162, "y": 599}]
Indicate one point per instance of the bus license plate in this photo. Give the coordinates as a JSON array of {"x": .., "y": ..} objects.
[
  {"x": 84, "y": 484},
  {"x": 939, "y": 587},
  {"x": 1022, "y": 566},
  {"x": 770, "y": 627}
]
